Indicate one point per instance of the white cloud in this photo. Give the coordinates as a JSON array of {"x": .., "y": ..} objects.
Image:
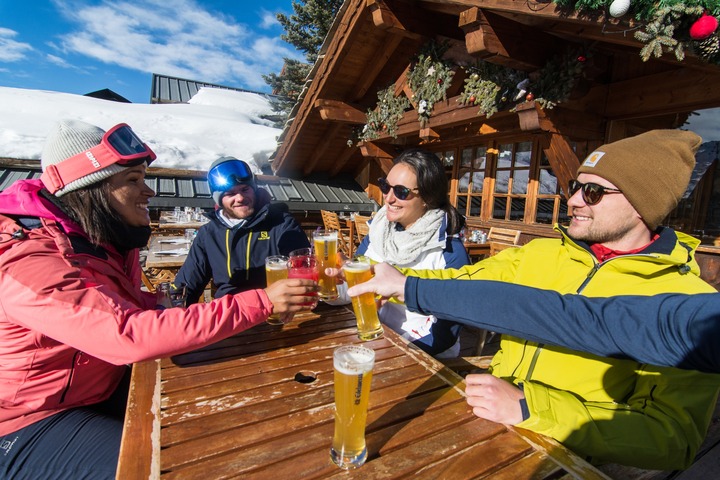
[
  {"x": 12, "y": 50},
  {"x": 179, "y": 38},
  {"x": 268, "y": 20}
]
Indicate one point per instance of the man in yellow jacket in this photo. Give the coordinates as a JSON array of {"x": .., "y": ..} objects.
[{"x": 608, "y": 410}]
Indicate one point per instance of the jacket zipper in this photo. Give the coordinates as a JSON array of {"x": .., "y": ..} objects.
[
  {"x": 70, "y": 377},
  {"x": 247, "y": 256}
]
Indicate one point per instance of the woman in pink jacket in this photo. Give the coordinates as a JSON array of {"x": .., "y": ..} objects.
[{"x": 72, "y": 315}]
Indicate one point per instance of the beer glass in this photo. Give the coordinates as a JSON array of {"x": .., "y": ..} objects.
[
  {"x": 276, "y": 268},
  {"x": 303, "y": 264},
  {"x": 358, "y": 271},
  {"x": 353, "y": 366},
  {"x": 326, "y": 243}
]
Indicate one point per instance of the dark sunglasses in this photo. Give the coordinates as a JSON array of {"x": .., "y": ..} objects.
[
  {"x": 401, "y": 192},
  {"x": 592, "y": 193}
]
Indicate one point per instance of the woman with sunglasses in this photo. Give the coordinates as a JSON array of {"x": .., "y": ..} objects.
[
  {"x": 417, "y": 228},
  {"x": 72, "y": 314}
]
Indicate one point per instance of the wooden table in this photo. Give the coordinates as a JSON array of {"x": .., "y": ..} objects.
[
  {"x": 260, "y": 405},
  {"x": 158, "y": 244},
  {"x": 477, "y": 251},
  {"x": 167, "y": 221}
]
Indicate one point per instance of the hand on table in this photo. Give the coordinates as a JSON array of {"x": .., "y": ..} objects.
[{"x": 494, "y": 399}]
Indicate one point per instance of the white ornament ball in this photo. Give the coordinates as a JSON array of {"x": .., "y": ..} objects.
[{"x": 618, "y": 8}]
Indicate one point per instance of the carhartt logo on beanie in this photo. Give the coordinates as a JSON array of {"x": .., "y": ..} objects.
[
  {"x": 68, "y": 138},
  {"x": 651, "y": 169}
]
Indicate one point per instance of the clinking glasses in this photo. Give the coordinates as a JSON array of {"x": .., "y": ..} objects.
[
  {"x": 592, "y": 193},
  {"x": 119, "y": 145},
  {"x": 401, "y": 192}
]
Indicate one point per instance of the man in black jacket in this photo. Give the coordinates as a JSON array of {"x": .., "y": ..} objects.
[{"x": 244, "y": 229}]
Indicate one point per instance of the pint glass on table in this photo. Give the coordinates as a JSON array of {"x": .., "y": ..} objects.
[
  {"x": 369, "y": 327},
  {"x": 353, "y": 366},
  {"x": 303, "y": 264},
  {"x": 326, "y": 243},
  {"x": 276, "y": 268}
]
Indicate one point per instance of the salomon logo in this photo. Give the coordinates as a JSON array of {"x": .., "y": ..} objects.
[{"x": 92, "y": 159}]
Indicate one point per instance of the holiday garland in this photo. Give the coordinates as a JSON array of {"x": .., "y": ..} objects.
[
  {"x": 383, "y": 119},
  {"x": 668, "y": 26},
  {"x": 429, "y": 80}
]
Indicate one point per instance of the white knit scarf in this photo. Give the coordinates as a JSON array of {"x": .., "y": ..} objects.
[{"x": 400, "y": 247}]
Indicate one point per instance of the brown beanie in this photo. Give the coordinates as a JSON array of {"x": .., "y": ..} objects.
[{"x": 651, "y": 169}]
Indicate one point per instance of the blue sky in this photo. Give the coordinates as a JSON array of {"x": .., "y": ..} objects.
[{"x": 79, "y": 46}]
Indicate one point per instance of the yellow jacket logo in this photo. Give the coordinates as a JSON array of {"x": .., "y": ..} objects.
[{"x": 264, "y": 236}]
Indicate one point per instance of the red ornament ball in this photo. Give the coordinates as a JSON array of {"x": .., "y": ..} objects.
[
  {"x": 471, "y": 99},
  {"x": 529, "y": 97},
  {"x": 703, "y": 27},
  {"x": 581, "y": 59}
]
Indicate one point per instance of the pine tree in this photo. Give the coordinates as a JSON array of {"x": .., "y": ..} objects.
[{"x": 306, "y": 30}]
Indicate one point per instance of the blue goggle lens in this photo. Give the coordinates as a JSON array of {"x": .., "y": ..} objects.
[{"x": 223, "y": 176}]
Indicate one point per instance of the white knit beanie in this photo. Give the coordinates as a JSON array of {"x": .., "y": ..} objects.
[{"x": 69, "y": 138}]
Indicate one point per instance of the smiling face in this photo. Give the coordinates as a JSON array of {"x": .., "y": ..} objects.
[
  {"x": 612, "y": 221},
  {"x": 239, "y": 202},
  {"x": 129, "y": 196},
  {"x": 408, "y": 211}
]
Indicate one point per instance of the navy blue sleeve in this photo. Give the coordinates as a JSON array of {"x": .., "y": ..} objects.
[
  {"x": 455, "y": 254},
  {"x": 195, "y": 273},
  {"x": 670, "y": 330},
  {"x": 292, "y": 236}
]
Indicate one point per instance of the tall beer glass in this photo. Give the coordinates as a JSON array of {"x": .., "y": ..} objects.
[
  {"x": 358, "y": 271},
  {"x": 303, "y": 264},
  {"x": 353, "y": 366},
  {"x": 326, "y": 243},
  {"x": 276, "y": 268}
]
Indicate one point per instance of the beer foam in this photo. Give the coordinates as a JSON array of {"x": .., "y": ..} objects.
[
  {"x": 276, "y": 266},
  {"x": 357, "y": 266},
  {"x": 326, "y": 238},
  {"x": 354, "y": 360}
]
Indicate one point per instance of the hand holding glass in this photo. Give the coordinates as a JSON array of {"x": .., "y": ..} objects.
[
  {"x": 326, "y": 244},
  {"x": 358, "y": 271},
  {"x": 276, "y": 268},
  {"x": 303, "y": 264},
  {"x": 353, "y": 366}
]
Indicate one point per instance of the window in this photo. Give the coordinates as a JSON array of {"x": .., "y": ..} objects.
[{"x": 506, "y": 181}]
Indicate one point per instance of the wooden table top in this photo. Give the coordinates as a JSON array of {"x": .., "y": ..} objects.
[
  {"x": 167, "y": 221},
  {"x": 166, "y": 243},
  {"x": 241, "y": 409}
]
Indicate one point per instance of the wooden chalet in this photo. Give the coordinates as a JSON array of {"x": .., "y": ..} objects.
[{"x": 510, "y": 167}]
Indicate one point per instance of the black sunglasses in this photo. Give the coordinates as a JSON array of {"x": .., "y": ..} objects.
[
  {"x": 400, "y": 191},
  {"x": 592, "y": 193}
]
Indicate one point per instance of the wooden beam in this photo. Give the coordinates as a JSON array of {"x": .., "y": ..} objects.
[
  {"x": 337, "y": 111},
  {"x": 676, "y": 91},
  {"x": 505, "y": 42},
  {"x": 562, "y": 159},
  {"x": 332, "y": 132},
  {"x": 383, "y": 154},
  {"x": 571, "y": 123},
  {"x": 383, "y": 17},
  {"x": 343, "y": 159},
  {"x": 371, "y": 72}
]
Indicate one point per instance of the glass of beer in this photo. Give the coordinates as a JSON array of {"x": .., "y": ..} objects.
[
  {"x": 353, "y": 366},
  {"x": 276, "y": 268},
  {"x": 358, "y": 271},
  {"x": 303, "y": 264},
  {"x": 326, "y": 244}
]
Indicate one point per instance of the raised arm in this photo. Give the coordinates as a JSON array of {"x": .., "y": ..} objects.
[{"x": 669, "y": 330}]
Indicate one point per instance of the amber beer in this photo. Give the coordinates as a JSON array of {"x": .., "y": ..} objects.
[
  {"x": 358, "y": 271},
  {"x": 276, "y": 268},
  {"x": 325, "y": 243},
  {"x": 353, "y": 366}
]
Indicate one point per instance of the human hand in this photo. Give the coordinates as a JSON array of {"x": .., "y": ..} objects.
[
  {"x": 494, "y": 399},
  {"x": 291, "y": 295},
  {"x": 387, "y": 282}
]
